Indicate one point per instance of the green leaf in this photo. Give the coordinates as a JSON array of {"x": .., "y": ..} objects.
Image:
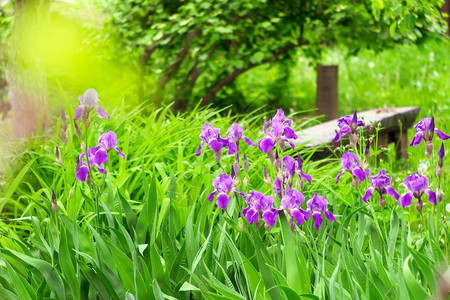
[
  {"x": 18, "y": 179},
  {"x": 66, "y": 263},
  {"x": 290, "y": 293},
  {"x": 8, "y": 295},
  {"x": 426, "y": 267},
  {"x": 23, "y": 288},
  {"x": 393, "y": 233},
  {"x": 392, "y": 28},
  {"x": 416, "y": 291},
  {"x": 147, "y": 218},
  {"x": 263, "y": 268},
  {"x": 257, "y": 57},
  {"x": 296, "y": 273},
  {"x": 162, "y": 213},
  {"x": 188, "y": 287},
  {"x": 52, "y": 278}
]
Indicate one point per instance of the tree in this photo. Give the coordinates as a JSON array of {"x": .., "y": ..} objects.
[{"x": 195, "y": 48}]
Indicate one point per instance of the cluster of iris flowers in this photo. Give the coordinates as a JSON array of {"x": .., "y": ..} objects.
[
  {"x": 416, "y": 184},
  {"x": 278, "y": 131},
  {"x": 95, "y": 156},
  {"x": 259, "y": 206}
]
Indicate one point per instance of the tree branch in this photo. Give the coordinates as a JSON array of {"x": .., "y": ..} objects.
[
  {"x": 179, "y": 59},
  {"x": 238, "y": 71},
  {"x": 145, "y": 57}
]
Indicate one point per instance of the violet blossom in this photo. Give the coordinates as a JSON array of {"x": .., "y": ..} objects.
[
  {"x": 234, "y": 134},
  {"x": 291, "y": 203},
  {"x": 106, "y": 142},
  {"x": 97, "y": 155},
  {"x": 259, "y": 204},
  {"x": 440, "y": 163},
  {"x": 426, "y": 129},
  {"x": 82, "y": 167},
  {"x": 223, "y": 186},
  {"x": 88, "y": 102},
  {"x": 318, "y": 205},
  {"x": 350, "y": 163},
  {"x": 292, "y": 167},
  {"x": 210, "y": 136},
  {"x": 417, "y": 185},
  {"x": 279, "y": 133},
  {"x": 348, "y": 124},
  {"x": 381, "y": 184}
]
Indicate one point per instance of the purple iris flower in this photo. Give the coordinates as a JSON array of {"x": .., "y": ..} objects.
[
  {"x": 223, "y": 186},
  {"x": 106, "y": 142},
  {"x": 88, "y": 102},
  {"x": 211, "y": 136},
  {"x": 97, "y": 155},
  {"x": 348, "y": 124},
  {"x": 234, "y": 134},
  {"x": 380, "y": 183},
  {"x": 279, "y": 132},
  {"x": 258, "y": 204},
  {"x": 291, "y": 202},
  {"x": 351, "y": 164},
  {"x": 440, "y": 163},
  {"x": 417, "y": 185},
  {"x": 292, "y": 167},
  {"x": 318, "y": 205},
  {"x": 426, "y": 129},
  {"x": 82, "y": 167}
]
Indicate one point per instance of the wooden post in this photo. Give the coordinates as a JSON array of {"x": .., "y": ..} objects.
[
  {"x": 403, "y": 144},
  {"x": 446, "y": 9},
  {"x": 327, "y": 91}
]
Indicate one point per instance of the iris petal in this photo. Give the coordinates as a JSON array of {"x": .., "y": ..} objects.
[
  {"x": 199, "y": 150},
  {"x": 329, "y": 216},
  {"x": 222, "y": 201},
  {"x": 265, "y": 145},
  {"x": 232, "y": 148},
  {"x": 250, "y": 143},
  {"x": 297, "y": 215},
  {"x": 392, "y": 192},
  {"x": 101, "y": 112},
  {"x": 270, "y": 216},
  {"x": 100, "y": 157},
  {"x": 82, "y": 173},
  {"x": 78, "y": 112},
  {"x": 215, "y": 145},
  {"x": 120, "y": 152},
  {"x": 417, "y": 139},
  {"x": 211, "y": 196},
  {"x": 359, "y": 173},
  {"x": 317, "y": 219},
  {"x": 405, "y": 200},
  {"x": 305, "y": 176},
  {"x": 441, "y": 135},
  {"x": 431, "y": 196},
  {"x": 368, "y": 194},
  {"x": 339, "y": 175}
]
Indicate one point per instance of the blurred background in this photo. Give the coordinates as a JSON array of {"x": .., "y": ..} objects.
[{"x": 247, "y": 54}]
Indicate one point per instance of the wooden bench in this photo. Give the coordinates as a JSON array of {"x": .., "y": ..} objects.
[{"x": 394, "y": 129}]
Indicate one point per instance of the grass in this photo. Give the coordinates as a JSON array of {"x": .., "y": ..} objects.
[{"x": 158, "y": 237}]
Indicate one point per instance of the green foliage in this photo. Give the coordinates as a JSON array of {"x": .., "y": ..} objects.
[
  {"x": 160, "y": 238},
  {"x": 196, "y": 49}
]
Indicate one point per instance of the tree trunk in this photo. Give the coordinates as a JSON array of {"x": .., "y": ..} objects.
[
  {"x": 25, "y": 69},
  {"x": 327, "y": 91}
]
